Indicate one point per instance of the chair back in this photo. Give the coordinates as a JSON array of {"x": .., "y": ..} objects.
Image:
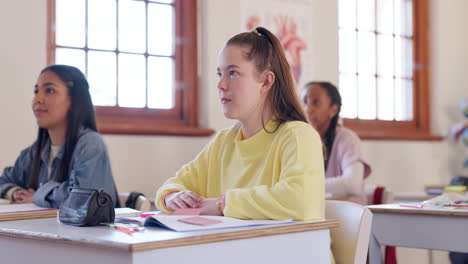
[
  {"x": 382, "y": 195},
  {"x": 378, "y": 194},
  {"x": 350, "y": 241}
]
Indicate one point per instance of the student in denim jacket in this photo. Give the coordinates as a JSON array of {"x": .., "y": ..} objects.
[{"x": 68, "y": 151}]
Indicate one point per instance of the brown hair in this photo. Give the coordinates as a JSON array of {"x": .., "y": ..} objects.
[{"x": 266, "y": 52}]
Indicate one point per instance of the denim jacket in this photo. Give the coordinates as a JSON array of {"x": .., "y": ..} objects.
[{"x": 89, "y": 168}]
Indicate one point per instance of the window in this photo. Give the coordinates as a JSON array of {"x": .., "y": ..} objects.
[
  {"x": 383, "y": 65},
  {"x": 139, "y": 57}
]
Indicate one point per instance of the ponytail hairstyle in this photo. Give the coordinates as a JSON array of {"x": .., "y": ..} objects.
[
  {"x": 80, "y": 115},
  {"x": 335, "y": 99},
  {"x": 266, "y": 52}
]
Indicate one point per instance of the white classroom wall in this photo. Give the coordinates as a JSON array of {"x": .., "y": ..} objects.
[{"x": 144, "y": 162}]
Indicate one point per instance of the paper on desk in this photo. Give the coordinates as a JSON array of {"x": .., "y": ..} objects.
[
  {"x": 198, "y": 220},
  {"x": 126, "y": 212},
  {"x": 172, "y": 222},
  {"x": 445, "y": 200},
  {"x": 8, "y": 209}
]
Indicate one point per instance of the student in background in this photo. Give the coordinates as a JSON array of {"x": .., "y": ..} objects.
[
  {"x": 68, "y": 151},
  {"x": 269, "y": 165},
  {"x": 345, "y": 166}
]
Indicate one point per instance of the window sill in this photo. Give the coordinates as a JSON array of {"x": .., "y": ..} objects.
[
  {"x": 414, "y": 136},
  {"x": 390, "y": 130},
  {"x": 149, "y": 127}
]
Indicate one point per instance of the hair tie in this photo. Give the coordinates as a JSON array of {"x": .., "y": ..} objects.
[
  {"x": 264, "y": 36},
  {"x": 256, "y": 32}
]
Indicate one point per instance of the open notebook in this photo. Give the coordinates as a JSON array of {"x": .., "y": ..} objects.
[{"x": 183, "y": 223}]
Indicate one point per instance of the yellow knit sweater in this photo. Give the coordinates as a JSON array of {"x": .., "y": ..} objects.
[{"x": 277, "y": 175}]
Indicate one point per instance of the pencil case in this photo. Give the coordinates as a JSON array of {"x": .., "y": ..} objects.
[{"x": 87, "y": 207}]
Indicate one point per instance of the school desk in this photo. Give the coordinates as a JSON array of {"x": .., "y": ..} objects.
[
  {"x": 409, "y": 197},
  {"x": 439, "y": 229},
  {"x": 47, "y": 240}
]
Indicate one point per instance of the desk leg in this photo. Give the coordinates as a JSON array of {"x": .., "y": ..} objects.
[{"x": 375, "y": 252}]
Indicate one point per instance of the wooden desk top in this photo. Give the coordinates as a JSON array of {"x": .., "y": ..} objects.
[
  {"x": 397, "y": 209},
  {"x": 152, "y": 238}
]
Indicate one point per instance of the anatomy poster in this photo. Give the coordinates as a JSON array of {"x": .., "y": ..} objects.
[{"x": 290, "y": 21}]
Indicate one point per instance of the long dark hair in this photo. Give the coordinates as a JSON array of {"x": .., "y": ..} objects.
[
  {"x": 81, "y": 114},
  {"x": 266, "y": 52},
  {"x": 335, "y": 99}
]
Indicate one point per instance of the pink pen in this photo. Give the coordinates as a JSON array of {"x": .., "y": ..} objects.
[
  {"x": 411, "y": 205},
  {"x": 145, "y": 215}
]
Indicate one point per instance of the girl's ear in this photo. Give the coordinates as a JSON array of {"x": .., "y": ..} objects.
[
  {"x": 333, "y": 111},
  {"x": 268, "y": 81}
]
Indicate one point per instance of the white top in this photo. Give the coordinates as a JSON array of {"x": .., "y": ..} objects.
[{"x": 54, "y": 150}]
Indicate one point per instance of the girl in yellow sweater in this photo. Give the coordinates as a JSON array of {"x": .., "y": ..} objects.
[{"x": 270, "y": 164}]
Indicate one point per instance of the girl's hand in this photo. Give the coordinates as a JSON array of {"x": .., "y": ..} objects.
[
  {"x": 183, "y": 199},
  {"x": 24, "y": 196},
  {"x": 210, "y": 206}
]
